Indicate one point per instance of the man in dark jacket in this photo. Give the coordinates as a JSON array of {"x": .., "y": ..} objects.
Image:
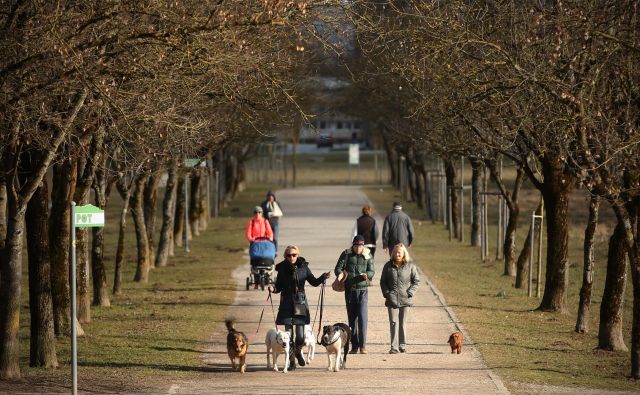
[
  {"x": 367, "y": 228},
  {"x": 397, "y": 229},
  {"x": 357, "y": 263}
]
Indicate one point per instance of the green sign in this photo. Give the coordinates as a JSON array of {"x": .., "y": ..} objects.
[
  {"x": 89, "y": 216},
  {"x": 191, "y": 162}
]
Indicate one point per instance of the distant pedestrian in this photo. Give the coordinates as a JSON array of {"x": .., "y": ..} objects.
[
  {"x": 357, "y": 263},
  {"x": 399, "y": 281},
  {"x": 366, "y": 227},
  {"x": 397, "y": 229},
  {"x": 272, "y": 212},
  {"x": 258, "y": 227}
]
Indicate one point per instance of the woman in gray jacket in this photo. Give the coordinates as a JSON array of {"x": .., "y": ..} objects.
[{"x": 399, "y": 282}]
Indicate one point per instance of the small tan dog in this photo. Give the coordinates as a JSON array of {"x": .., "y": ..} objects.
[
  {"x": 455, "y": 341},
  {"x": 237, "y": 346}
]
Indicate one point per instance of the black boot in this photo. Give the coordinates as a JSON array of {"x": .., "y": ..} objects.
[
  {"x": 292, "y": 363},
  {"x": 300, "y": 358},
  {"x": 292, "y": 359}
]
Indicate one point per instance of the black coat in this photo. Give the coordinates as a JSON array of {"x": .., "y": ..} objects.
[{"x": 286, "y": 284}]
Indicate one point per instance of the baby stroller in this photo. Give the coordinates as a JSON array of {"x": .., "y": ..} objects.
[{"x": 262, "y": 253}]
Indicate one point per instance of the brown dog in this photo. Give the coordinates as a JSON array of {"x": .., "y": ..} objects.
[
  {"x": 455, "y": 341},
  {"x": 237, "y": 346}
]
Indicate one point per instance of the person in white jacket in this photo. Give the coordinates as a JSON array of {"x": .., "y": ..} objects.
[{"x": 272, "y": 212}]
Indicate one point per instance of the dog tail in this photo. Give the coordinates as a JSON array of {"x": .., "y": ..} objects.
[
  {"x": 229, "y": 323},
  {"x": 346, "y": 348}
]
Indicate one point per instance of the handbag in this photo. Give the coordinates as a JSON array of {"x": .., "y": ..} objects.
[
  {"x": 299, "y": 304},
  {"x": 338, "y": 283},
  {"x": 299, "y": 298}
]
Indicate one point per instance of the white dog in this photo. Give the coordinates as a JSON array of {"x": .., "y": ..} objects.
[
  {"x": 335, "y": 338},
  {"x": 309, "y": 343},
  {"x": 277, "y": 342}
]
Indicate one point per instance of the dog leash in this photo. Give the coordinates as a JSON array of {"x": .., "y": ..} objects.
[
  {"x": 321, "y": 308},
  {"x": 269, "y": 298}
]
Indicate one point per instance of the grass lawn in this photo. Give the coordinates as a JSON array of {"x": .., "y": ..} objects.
[
  {"x": 153, "y": 333},
  {"x": 523, "y": 345}
]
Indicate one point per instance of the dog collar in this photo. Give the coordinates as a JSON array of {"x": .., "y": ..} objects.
[{"x": 337, "y": 336}]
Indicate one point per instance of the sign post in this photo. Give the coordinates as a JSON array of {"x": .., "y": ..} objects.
[
  {"x": 87, "y": 216},
  {"x": 354, "y": 157}
]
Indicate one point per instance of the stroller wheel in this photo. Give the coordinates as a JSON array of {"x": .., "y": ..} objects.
[{"x": 248, "y": 283}]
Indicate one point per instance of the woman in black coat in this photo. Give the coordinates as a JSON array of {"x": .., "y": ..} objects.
[{"x": 293, "y": 272}]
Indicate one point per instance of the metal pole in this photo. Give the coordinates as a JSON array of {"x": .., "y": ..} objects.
[
  {"x": 482, "y": 236},
  {"x": 216, "y": 202},
  {"x": 485, "y": 214},
  {"x": 72, "y": 291},
  {"x": 461, "y": 238},
  {"x": 186, "y": 213},
  {"x": 531, "y": 229},
  {"x": 208, "y": 190},
  {"x": 449, "y": 213},
  {"x": 539, "y": 274},
  {"x": 500, "y": 237}
]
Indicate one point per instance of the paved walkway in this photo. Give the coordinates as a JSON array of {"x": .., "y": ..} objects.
[{"x": 319, "y": 220}]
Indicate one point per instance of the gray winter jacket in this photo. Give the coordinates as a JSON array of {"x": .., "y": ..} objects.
[
  {"x": 399, "y": 284},
  {"x": 397, "y": 229}
]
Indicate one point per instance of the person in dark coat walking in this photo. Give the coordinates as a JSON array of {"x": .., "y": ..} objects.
[
  {"x": 366, "y": 227},
  {"x": 397, "y": 229},
  {"x": 293, "y": 272}
]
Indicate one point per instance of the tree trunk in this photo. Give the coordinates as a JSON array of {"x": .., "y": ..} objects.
[
  {"x": 98, "y": 272},
  {"x": 582, "y": 322},
  {"x": 203, "y": 201},
  {"x": 83, "y": 297},
  {"x": 476, "y": 188},
  {"x": 3, "y": 216},
  {"x": 126, "y": 197},
  {"x": 194, "y": 202},
  {"x": 11, "y": 256},
  {"x": 42, "y": 350},
  {"x": 630, "y": 233},
  {"x": 610, "y": 330},
  {"x": 86, "y": 172},
  {"x": 450, "y": 172},
  {"x": 150, "y": 204},
  {"x": 3, "y": 212},
  {"x": 10, "y": 289},
  {"x": 510, "y": 267},
  {"x": 522, "y": 266},
  {"x": 143, "y": 264},
  {"x": 555, "y": 192},
  {"x": 168, "y": 212},
  {"x": 392, "y": 161},
  {"x": 178, "y": 219},
  {"x": 64, "y": 184}
]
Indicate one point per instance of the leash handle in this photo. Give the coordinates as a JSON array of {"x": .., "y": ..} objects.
[
  {"x": 264, "y": 305},
  {"x": 321, "y": 310},
  {"x": 273, "y": 311}
]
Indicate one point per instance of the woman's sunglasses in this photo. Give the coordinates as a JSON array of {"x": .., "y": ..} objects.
[{"x": 291, "y": 255}]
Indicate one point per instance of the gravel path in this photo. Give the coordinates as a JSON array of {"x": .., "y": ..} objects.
[{"x": 319, "y": 220}]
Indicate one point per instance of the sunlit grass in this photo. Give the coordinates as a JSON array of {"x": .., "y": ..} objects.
[{"x": 520, "y": 343}]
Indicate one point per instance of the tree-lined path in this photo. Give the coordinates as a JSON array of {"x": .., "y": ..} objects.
[{"x": 318, "y": 220}]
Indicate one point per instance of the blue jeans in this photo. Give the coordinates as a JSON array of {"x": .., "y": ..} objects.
[{"x": 356, "y": 301}]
